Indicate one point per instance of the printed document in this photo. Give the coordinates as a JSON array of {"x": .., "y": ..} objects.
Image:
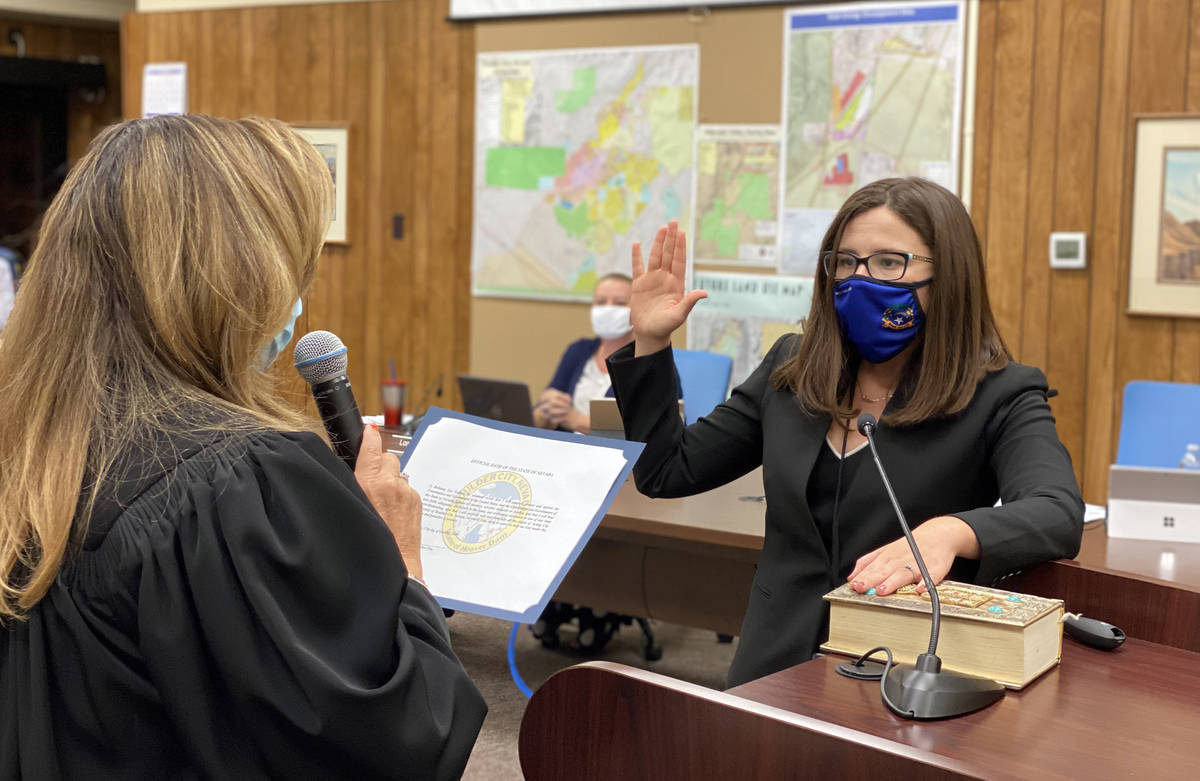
[{"x": 506, "y": 509}]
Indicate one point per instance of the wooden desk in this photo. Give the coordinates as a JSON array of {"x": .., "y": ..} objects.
[
  {"x": 1130, "y": 713},
  {"x": 691, "y": 561},
  {"x": 1151, "y": 590}
]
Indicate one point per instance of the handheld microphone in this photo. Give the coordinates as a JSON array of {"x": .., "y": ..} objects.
[
  {"x": 320, "y": 358},
  {"x": 925, "y": 691}
]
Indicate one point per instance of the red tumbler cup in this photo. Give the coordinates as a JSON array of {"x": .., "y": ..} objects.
[{"x": 393, "y": 392}]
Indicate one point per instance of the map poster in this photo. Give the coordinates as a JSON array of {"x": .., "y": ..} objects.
[
  {"x": 578, "y": 153},
  {"x": 737, "y": 194},
  {"x": 871, "y": 90},
  {"x": 745, "y": 314}
]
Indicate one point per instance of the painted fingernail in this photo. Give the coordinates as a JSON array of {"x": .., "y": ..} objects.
[{"x": 870, "y": 592}]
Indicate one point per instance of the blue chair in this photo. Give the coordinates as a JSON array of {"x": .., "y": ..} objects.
[
  {"x": 705, "y": 380},
  {"x": 1158, "y": 421}
]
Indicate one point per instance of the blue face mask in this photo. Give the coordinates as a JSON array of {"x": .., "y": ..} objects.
[
  {"x": 273, "y": 348},
  {"x": 879, "y": 318}
]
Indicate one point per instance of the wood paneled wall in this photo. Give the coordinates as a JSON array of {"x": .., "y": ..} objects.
[
  {"x": 1058, "y": 84},
  {"x": 55, "y": 41},
  {"x": 402, "y": 78}
]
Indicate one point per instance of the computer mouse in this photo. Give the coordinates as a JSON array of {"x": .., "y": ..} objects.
[{"x": 1093, "y": 632}]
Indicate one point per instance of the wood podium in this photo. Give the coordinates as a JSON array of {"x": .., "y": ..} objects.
[
  {"x": 1129, "y": 713},
  {"x": 1132, "y": 712}
]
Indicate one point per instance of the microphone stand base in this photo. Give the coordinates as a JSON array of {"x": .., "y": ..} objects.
[{"x": 922, "y": 694}]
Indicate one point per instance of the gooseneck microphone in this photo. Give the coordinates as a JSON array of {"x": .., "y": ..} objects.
[
  {"x": 925, "y": 691},
  {"x": 320, "y": 358}
]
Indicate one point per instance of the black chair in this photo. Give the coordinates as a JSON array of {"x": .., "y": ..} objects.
[{"x": 594, "y": 630}]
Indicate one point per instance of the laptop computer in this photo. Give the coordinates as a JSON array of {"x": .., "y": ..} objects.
[
  {"x": 503, "y": 400},
  {"x": 606, "y": 418},
  {"x": 1154, "y": 503}
]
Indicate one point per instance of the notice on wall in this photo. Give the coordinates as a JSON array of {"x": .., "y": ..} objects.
[{"x": 164, "y": 88}]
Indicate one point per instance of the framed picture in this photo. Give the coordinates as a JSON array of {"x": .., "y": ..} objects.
[
  {"x": 1164, "y": 253},
  {"x": 332, "y": 140}
]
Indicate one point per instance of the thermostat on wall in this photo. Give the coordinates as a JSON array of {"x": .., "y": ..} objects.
[{"x": 1068, "y": 250}]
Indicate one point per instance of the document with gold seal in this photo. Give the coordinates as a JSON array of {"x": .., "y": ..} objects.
[{"x": 507, "y": 508}]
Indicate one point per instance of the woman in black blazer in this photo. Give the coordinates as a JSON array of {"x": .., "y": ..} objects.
[{"x": 900, "y": 327}]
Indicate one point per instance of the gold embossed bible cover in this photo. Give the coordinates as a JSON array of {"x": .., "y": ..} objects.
[{"x": 1008, "y": 637}]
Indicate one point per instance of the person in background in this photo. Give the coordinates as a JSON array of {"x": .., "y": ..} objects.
[
  {"x": 582, "y": 374},
  {"x": 192, "y": 584},
  {"x": 900, "y": 327}
]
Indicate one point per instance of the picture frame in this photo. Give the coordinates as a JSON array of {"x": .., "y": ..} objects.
[
  {"x": 1164, "y": 252},
  {"x": 332, "y": 140}
]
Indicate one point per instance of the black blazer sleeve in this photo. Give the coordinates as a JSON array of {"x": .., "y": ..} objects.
[
  {"x": 284, "y": 637},
  {"x": 717, "y": 448},
  {"x": 1041, "y": 515}
]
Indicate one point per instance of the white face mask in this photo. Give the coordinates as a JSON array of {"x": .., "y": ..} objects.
[{"x": 611, "y": 322}]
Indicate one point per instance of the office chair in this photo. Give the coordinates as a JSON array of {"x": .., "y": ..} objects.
[
  {"x": 705, "y": 380},
  {"x": 1158, "y": 421}
]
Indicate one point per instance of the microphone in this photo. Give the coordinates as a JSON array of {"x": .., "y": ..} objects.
[
  {"x": 320, "y": 358},
  {"x": 925, "y": 691}
]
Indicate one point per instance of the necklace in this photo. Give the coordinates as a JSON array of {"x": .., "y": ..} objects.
[{"x": 886, "y": 397}]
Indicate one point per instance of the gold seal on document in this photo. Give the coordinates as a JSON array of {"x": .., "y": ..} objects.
[{"x": 486, "y": 511}]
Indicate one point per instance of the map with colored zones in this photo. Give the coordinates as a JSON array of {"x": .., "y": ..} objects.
[
  {"x": 737, "y": 194},
  {"x": 745, "y": 314},
  {"x": 578, "y": 153},
  {"x": 871, "y": 91}
]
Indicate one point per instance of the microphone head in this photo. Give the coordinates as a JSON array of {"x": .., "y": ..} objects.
[
  {"x": 320, "y": 356},
  {"x": 866, "y": 424}
]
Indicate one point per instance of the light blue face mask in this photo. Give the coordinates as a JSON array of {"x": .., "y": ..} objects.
[{"x": 273, "y": 348}]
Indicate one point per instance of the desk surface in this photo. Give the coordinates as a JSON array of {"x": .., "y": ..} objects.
[
  {"x": 1171, "y": 562},
  {"x": 734, "y": 516},
  {"x": 1129, "y": 713}
]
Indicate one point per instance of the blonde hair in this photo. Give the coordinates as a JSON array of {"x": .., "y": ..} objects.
[{"x": 173, "y": 253}]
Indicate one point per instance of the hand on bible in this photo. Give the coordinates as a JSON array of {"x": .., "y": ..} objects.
[
  {"x": 659, "y": 303},
  {"x": 378, "y": 474},
  {"x": 939, "y": 539}
]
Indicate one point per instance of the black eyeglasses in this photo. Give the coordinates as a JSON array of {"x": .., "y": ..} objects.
[{"x": 884, "y": 266}]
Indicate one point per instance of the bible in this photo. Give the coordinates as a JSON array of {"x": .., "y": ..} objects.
[{"x": 989, "y": 633}]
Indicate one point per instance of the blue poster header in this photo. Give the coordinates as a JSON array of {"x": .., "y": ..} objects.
[{"x": 849, "y": 17}]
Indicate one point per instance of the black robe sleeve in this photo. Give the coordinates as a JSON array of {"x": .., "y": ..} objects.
[{"x": 283, "y": 636}]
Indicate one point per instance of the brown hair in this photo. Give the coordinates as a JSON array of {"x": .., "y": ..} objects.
[
  {"x": 173, "y": 253},
  {"x": 959, "y": 342}
]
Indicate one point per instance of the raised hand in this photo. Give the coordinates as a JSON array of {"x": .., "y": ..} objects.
[{"x": 660, "y": 304}]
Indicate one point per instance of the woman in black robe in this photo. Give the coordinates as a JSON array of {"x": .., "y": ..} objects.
[{"x": 191, "y": 583}]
